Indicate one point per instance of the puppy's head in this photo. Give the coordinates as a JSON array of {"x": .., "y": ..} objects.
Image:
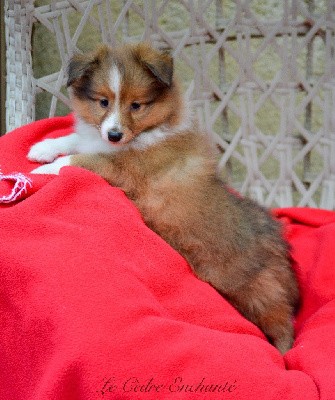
[{"x": 124, "y": 91}]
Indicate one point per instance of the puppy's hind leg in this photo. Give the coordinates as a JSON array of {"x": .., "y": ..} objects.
[{"x": 269, "y": 305}]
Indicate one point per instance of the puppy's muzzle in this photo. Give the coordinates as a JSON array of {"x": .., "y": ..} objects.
[{"x": 114, "y": 136}]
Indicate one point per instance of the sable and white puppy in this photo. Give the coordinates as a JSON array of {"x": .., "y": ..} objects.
[{"x": 134, "y": 130}]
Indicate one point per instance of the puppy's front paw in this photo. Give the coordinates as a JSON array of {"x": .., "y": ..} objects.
[
  {"x": 54, "y": 167},
  {"x": 44, "y": 152}
]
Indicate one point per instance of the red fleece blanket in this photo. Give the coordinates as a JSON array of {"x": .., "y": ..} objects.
[{"x": 94, "y": 305}]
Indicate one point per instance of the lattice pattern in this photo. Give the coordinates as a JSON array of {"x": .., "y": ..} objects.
[
  {"x": 20, "y": 98},
  {"x": 261, "y": 79}
]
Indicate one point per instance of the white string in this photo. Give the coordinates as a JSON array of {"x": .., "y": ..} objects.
[{"x": 21, "y": 185}]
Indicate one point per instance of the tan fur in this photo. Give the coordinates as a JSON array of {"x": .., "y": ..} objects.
[{"x": 229, "y": 242}]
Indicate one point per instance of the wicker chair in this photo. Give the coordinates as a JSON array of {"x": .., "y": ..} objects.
[{"x": 262, "y": 82}]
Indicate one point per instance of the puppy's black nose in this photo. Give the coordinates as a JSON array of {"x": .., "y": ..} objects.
[{"x": 114, "y": 136}]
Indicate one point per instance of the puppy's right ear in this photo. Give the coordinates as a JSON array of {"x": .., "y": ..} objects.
[
  {"x": 81, "y": 65},
  {"x": 78, "y": 67}
]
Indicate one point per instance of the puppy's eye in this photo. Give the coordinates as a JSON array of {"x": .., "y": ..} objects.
[
  {"x": 104, "y": 103},
  {"x": 135, "y": 106}
]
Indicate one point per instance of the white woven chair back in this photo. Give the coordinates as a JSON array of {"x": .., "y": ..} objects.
[{"x": 260, "y": 77}]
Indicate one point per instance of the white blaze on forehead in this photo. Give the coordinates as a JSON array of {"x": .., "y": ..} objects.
[
  {"x": 112, "y": 121},
  {"x": 115, "y": 80}
]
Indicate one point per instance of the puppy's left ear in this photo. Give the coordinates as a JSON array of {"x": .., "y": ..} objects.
[{"x": 159, "y": 63}]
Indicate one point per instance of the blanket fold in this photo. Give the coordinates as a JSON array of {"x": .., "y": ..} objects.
[{"x": 94, "y": 305}]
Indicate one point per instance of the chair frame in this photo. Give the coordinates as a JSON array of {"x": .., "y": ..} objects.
[{"x": 300, "y": 152}]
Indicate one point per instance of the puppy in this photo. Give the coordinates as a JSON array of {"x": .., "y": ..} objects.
[{"x": 134, "y": 129}]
